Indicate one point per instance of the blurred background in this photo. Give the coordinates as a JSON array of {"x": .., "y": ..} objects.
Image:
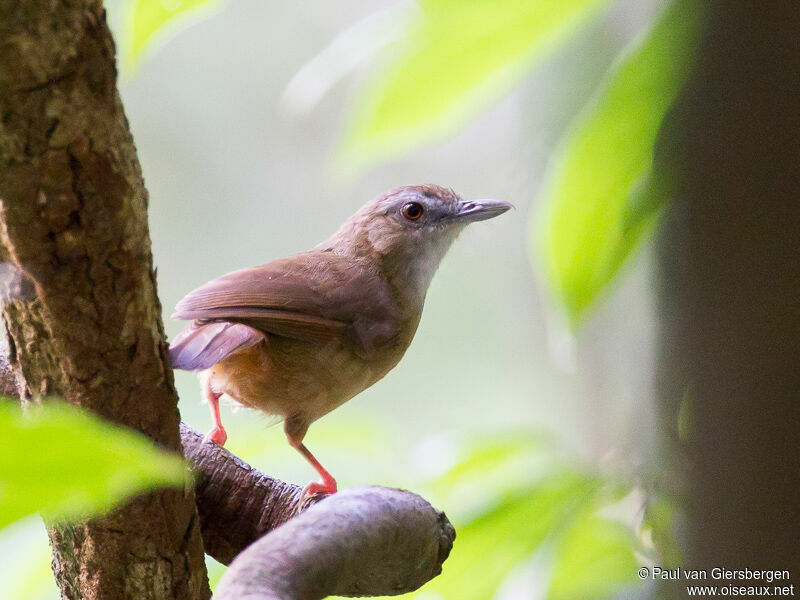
[{"x": 524, "y": 407}]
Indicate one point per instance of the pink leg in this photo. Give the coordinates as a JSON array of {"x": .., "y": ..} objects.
[
  {"x": 217, "y": 433},
  {"x": 328, "y": 483},
  {"x": 295, "y": 427}
]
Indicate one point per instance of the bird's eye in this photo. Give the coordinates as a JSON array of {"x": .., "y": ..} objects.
[{"x": 413, "y": 211}]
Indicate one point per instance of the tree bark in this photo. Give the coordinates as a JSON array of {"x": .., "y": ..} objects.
[
  {"x": 358, "y": 542},
  {"x": 73, "y": 220},
  {"x": 237, "y": 503},
  {"x": 730, "y": 294}
]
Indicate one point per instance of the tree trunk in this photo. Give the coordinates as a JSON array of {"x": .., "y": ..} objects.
[
  {"x": 87, "y": 327},
  {"x": 730, "y": 257}
]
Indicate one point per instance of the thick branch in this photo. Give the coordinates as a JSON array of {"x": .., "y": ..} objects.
[
  {"x": 237, "y": 503},
  {"x": 361, "y": 541}
]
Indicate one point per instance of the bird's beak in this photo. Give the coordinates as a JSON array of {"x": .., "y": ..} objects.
[{"x": 480, "y": 210}]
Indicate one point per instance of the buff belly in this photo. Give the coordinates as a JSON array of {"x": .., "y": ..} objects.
[{"x": 289, "y": 378}]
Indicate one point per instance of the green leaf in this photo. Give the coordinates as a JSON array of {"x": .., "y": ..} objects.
[
  {"x": 599, "y": 200},
  {"x": 490, "y": 546},
  {"x": 147, "y": 22},
  {"x": 458, "y": 55},
  {"x": 494, "y": 469},
  {"x": 492, "y": 453},
  {"x": 659, "y": 518},
  {"x": 69, "y": 464},
  {"x": 541, "y": 506},
  {"x": 594, "y": 559}
]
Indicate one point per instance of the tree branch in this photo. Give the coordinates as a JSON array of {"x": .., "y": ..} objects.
[
  {"x": 237, "y": 503},
  {"x": 361, "y": 541}
]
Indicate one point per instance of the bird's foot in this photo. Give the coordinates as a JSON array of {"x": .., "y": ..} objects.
[
  {"x": 217, "y": 435},
  {"x": 316, "y": 488}
]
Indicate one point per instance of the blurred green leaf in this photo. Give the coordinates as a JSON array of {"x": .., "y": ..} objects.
[
  {"x": 493, "y": 470},
  {"x": 594, "y": 558},
  {"x": 595, "y": 211},
  {"x": 541, "y": 506},
  {"x": 490, "y": 546},
  {"x": 659, "y": 516},
  {"x": 494, "y": 452},
  {"x": 69, "y": 464},
  {"x": 458, "y": 55},
  {"x": 147, "y": 21}
]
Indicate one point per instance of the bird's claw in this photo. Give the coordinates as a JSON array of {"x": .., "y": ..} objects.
[
  {"x": 217, "y": 435},
  {"x": 318, "y": 488}
]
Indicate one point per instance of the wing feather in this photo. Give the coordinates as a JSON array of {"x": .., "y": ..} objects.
[
  {"x": 201, "y": 346},
  {"x": 307, "y": 328},
  {"x": 314, "y": 296}
]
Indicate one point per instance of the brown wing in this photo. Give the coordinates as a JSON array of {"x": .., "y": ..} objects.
[{"x": 314, "y": 296}]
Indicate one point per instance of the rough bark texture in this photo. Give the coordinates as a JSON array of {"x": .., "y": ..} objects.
[
  {"x": 360, "y": 541},
  {"x": 73, "y": 220},
  {"x": 730, "y": 256},
  {"x": 237, "y": 503}
]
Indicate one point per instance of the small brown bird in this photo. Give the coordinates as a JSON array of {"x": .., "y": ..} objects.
[{"x": 299, "y": 336}]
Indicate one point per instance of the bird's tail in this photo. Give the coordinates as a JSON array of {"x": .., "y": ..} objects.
[{"x": 202, "y": 345}]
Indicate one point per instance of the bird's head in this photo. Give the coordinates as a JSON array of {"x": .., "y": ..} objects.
[{"x": 408, "y": 230}]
